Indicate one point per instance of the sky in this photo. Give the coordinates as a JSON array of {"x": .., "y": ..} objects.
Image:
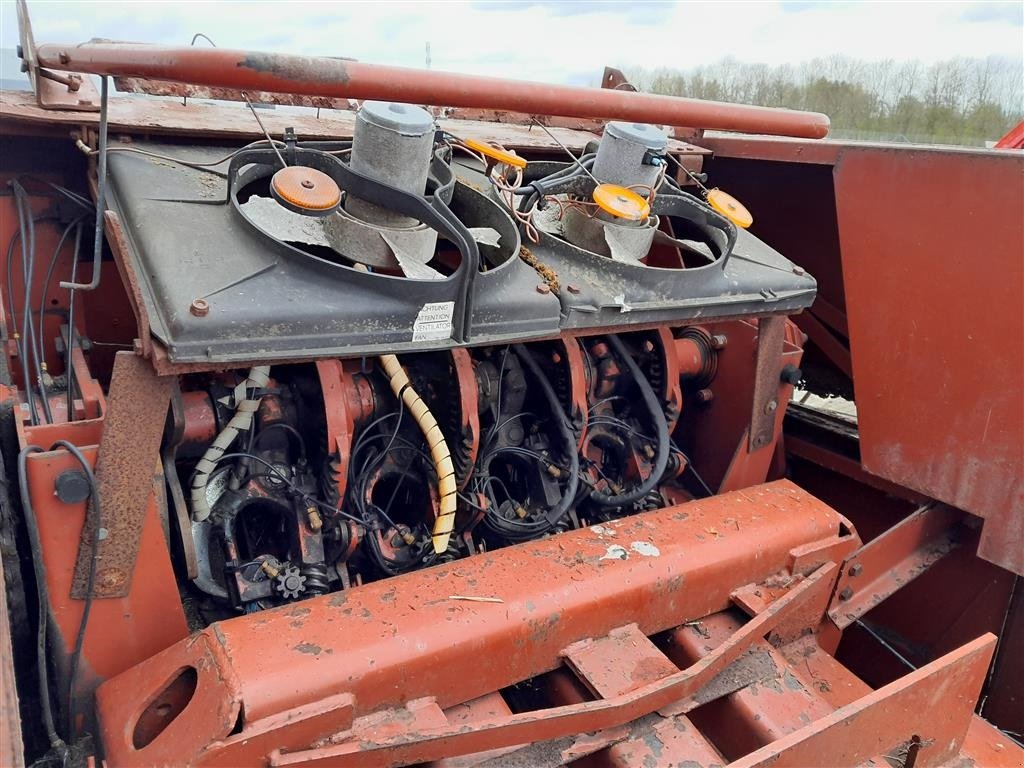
[{"x": 553, "y": 41}]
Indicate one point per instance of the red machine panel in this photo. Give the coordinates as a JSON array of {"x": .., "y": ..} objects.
[{"x": 933, "y": 265}]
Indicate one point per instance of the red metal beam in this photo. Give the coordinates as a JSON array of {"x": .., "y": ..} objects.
[
  {"x": 321, "y": 76},
  {"x": 388, "y": 642}
]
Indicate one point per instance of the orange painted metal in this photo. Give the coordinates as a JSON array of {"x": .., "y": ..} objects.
[
  {"x": 320, "y": 76},
  {"x": 885, "y": 564},
  {"x": 934, "y": 703},
  {"x": 122, "y": 631},
  {"x": 397, "y": 640}
]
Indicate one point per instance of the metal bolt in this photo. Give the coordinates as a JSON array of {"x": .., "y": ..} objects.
[
  {"x": 798, "y": 270},
  {"x": 543, "y": 288},
  {"x": 572, "y": 288},
  {"x": 648, "y": 346},
  {"x": 64, "y": 58},
  {"x": 856, "y": 569},
  {"x": 770, "y": 406},
  {"x": 704, "y": 395},
  {"x": 307, "y": 184},
  {"x": 199, "y": 308},
  {"x": 846, "y": 594},
  {"x": 719, "y": 341}
]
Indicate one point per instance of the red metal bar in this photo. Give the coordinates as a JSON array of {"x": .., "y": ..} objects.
[{"x": 320, "y": 76}]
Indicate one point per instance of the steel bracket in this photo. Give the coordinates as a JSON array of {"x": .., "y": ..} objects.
[{"x": 889, "y": 561}]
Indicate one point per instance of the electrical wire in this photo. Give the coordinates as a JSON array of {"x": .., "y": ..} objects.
[
  {"x": 28, "y": 349},
  {"x": 69, "y": 354},
  {"x": 305, "y": 496},
  {"x": 657, "y": 415},
  {"x": 43, "y": 598},
  {"x": 90, "y": 584},
  {"x": 283, "y": 426},
  {"x": 516, "y": 529}
]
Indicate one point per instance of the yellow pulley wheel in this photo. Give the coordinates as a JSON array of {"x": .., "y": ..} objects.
[
  {"x": 498, "y": 155},
  {"x": 305, "y": 190},
  {"x": 730, "y": 207},
  {"x": 622, "y": 203}
]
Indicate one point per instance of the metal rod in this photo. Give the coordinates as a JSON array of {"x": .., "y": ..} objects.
[
  {"x": 885, "y": 644},
  {"x": 263, "y": 128},
  {"x": 322, "y": 76},
  {"x": 101, "y": 193}
]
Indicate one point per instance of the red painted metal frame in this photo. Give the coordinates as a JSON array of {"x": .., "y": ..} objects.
[
  {"x": 931, "y": 298},
  {"x": 934, "y": 704},
  {"x": 321, "y": 76},
  {"x": 397, "y": 640},
  {"x": 959, "y": 439},
  {"x": 885, "y": 564}
]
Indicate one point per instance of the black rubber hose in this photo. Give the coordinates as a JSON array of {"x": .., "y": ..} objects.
[
  {"x": 34, "y": 342},
  {"x": 606, "y": 500},
  {"x": 90, "y": 585},
  {"x": 42, "y": 596},
  {"x": 558, "y": 511},
  {"x": 24, "y": 342}
]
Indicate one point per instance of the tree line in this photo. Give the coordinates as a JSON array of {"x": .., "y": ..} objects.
[{"x": 956, "y": 101}]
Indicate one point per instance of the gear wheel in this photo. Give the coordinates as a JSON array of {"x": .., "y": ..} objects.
[{"x": 290, "y": 583}]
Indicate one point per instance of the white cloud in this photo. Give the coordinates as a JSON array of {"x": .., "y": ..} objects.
[{"x": 551, "y": 41}]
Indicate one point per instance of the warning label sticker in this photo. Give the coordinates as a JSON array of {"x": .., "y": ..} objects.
[{"x": 434, "y": 321}]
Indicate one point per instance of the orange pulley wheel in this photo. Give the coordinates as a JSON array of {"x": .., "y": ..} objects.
[{"x": 305, "y": 190}]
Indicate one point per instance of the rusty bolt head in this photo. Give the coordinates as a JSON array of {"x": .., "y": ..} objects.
[
  {"x": 199, "y": 308},
  {"x": 856, "y": 569},
  {"x": 704, "y": 395},
  {"x": 543, "y": 288},
  {"x": 719, "y": 341},
  {"x": 556, "y": 358},
  {"x": 648, "y": 346},
  {"x": 307, "y": 184},
  {"x": 572, "y": 288},
  {"x": 770, "y": 406},
  {"x": 110, "y": 579},
  {"x": 846, "y": 594},
  {"x": 600, "y": 349},
  {"x": 63, "y": 56}
]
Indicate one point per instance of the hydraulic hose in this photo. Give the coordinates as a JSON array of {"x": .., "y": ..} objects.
[
  {"x": 602, "y": 499},
  {"x": 241, "y": 421},
  {"x": 439, "y": 452}
]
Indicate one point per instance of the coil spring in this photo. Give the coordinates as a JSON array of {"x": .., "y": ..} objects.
[{"x": 317, "y": 580}]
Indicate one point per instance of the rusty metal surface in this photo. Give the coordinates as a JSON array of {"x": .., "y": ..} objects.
[
  {"x": 11, "y": 747},
  {"x": 885, "y": 564},
  {"x": 417, "y": 744},
  {"x": 619, "y": 662},
  {"x": 128, "y": 450},
  {"x": 148, "y": 619},
  {"x": 185, "y": 90},
  {"x": 939, "y": 402},
  {"x": 18, "y": 110},
  {"x": 81, "y": 96},
  {"x": 934, "y": 703},
  {"x": 320, "y": 76},
  {"x": 763, "y": 414},
  {"x": 393, "y": 641}
]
